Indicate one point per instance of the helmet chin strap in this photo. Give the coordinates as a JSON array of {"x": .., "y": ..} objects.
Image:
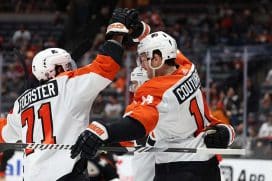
[{"x": 153, "y": 73}]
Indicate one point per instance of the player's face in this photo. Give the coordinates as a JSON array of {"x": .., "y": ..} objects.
[
  {"x": 150, "y": 63},
  {"x": 144, "y": 63}
]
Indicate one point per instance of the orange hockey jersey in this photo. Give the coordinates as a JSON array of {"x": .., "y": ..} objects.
[{"x": 174, "y": 108}]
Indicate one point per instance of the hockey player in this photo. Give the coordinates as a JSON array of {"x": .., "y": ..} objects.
[
  {"x": 57, "y": 111},
  {"x": 171, "y": 105},
  {"x": 143, "y": 164},
  {"x": 137, "y": 77}
]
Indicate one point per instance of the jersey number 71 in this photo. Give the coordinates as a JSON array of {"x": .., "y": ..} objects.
[{"x": 44, "y": 114}]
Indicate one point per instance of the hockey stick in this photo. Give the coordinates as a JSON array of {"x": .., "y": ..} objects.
[{"x": 138, "y": 149}]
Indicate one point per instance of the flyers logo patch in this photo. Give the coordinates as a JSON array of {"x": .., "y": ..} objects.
[{"x": 147, "y": 100}]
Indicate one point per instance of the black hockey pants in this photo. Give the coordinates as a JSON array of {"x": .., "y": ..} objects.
[{"x": 188, "y": 171}]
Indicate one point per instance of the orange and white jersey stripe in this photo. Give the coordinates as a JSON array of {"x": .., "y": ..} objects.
[
  {"x": 57, "y": 112},
  {"x": 174, "y": 108},
  {"x": 3, "y": 122}
]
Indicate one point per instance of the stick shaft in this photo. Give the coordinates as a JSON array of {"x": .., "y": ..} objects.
[{"x": 139, "y": 149}]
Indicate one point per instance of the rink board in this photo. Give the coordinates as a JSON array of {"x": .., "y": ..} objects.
[{"x": 231, "y": 169}]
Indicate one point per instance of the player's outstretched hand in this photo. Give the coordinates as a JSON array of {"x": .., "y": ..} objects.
[
  {"x": 138, "y": 28},
  {"x": 126, "y": 22},
  {"x": 119, "y": 23},
  {"x": 217, "y": 136},
  {"x": 86, "y": 145}
]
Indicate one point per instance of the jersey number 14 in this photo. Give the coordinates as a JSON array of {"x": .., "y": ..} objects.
[{"x": 195, "y": 111}]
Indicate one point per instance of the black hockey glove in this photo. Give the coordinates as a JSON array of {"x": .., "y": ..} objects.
[
  {"x": 217, "y": 136},
  {"x": 89, "y": 141},
  {"x": 130, "y": 19},
  {"x": 119, "y": 23},
  {"x": 124, "y": 16},
  {"x": 139, "y": 28}
]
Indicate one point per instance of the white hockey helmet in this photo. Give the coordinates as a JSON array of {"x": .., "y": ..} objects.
[
  {"x": 138, "y": 76},
  {"x": 158, "y": 41},
  {"x": 45, "y": 62}
]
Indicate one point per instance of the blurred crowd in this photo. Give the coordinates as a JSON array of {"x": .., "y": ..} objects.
[{"x": 219, "y": 26}]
